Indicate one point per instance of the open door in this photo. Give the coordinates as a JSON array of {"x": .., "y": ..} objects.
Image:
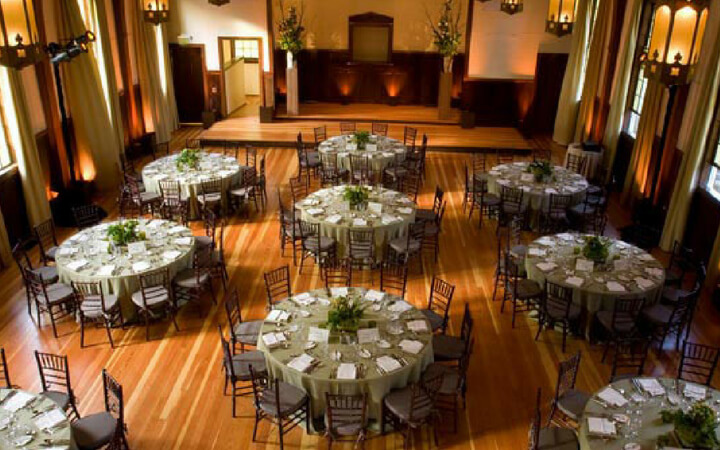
[{"x": 241, "y": 63}]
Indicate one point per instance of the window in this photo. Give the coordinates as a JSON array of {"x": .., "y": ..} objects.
[
  {"x": 247, "y": 49},
  {"x": 638, "y": 82},
  {"x": 89, "y": 13},
  {"x": 712, "y": 185},
  {"x": 9, "y": 132},
  {"x": 636, "y": 103}
]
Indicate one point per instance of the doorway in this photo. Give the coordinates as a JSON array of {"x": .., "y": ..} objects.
[{"x": 241, "y": 64}]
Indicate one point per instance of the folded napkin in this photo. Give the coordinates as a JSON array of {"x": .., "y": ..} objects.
[
  {"x": 315, "y": 211},
  {"x": 310, "y": 202},
  {"x": 546, "y": 266},
  {"x": 400, "y": 306},
  {"x": 566, "y": 236},
  {"x": 388, "y": 154},
  {"x": 301, "y": 363},
  {"x": 140, "y": 266},
  {"x": 160, "y": 176},
  {"x": 601, "y": 426},
  {"x": 575, "y": 281},
  {"x": 612, "y": 397},
  {"x": 494, "y": 173},
  {"x": 388, "y": 219},
  {"x": 646, "y": 256},
  {"x": 339, "y": 291},
  {"x": 187, "y": 240},
  {"x": 171, "y": 254},
  {"x": 417, "y": 326},
  {"x": 155, "y": 223},
  {"x": 346, "y": 371},
  {"x": 650, "y": 385},
  {"x": 371, "y": 147},
  {"x": 584, "y": 265},
  {"x": 654, "y": 272},
  {"x": 343, "y": 154},
  {"x": 644, "y": 283},
  {"x": 694, "y": 391},
  {"x": 68, "y": 251},
  {"x": 334, "y": 219},
  {"x": 75, "y": 265},
  {"x": 545, "y": 241},
  {"x": 374, "y": 296},
  {"x": 359, "y": 223},
  {"x": 50, "y": 419},
  {"x": 277, "y": 316},
  {"x": 388, "y": 364},
  {"x": 503, "y": 182},
  {"x": 272, "y": 340},
  {"x": 614, "y": 286},
  {"x": 225, "y": 173},
  {"x": 411, "y": 346},
  {"x": 176, "y": 229},
  {"x": 304, "y": 299},
  {"x": 527, "y": 177},
  {"x": 405, "y": 210},
  {"x": 316, "y": 334},
  {"x": 17, "y": 401},
  {"x": 532, "y": 251},
  {"x": 367, "y": 335},
  {"x": 551, "y": 191},
  {"x": 106, "y": 271}
]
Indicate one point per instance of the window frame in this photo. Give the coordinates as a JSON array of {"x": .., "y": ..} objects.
[{"x": 636, "y": 72}]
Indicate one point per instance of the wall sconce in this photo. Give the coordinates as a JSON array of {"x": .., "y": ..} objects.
[
  {"x": 511, "y": 6},
  {"x": 19, "y": 44},
  {"x": 675, "y": 40},
  {"x": 561, "y": 17},
  {"x": 156, "y": 12}
]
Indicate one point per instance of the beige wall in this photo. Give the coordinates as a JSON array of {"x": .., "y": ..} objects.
[
  {"x": 506, "y": 47},
  {"x": 234, "y": 86},
  {"x": 204, "y": 23},
  {"x": 326, "y": 21}
]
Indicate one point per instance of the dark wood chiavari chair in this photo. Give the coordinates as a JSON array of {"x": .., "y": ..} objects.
[
  {"x": 393, "y": 278},
  {"x": 210, "y": 196},
  {"x": 403, "y": 249},
  {"x": 289, "y": 228},
  {"x": 86, "y": 216},
  {"x": 155, "y": 298},
  {"x": 237, "y": 370},
  {"x": 448, "y": 348},
  {"x": 431, "y": 215},
  {"x": 191, "y": 284},
  {"x": 210, "y": 225},
  {"x": 409, "y": 136},
  {"x": 57, "y": 299},
  {"x": 663, "y": 319},
  {"x": 315, "y": 245},
  {"x": 331, "y": 174},
  {"x": 629, "y": 358},
  {"x": 557, "y": 306},
  {"x": 337, "y": 273},
  {"x": 4, "y": 371},
  {"x": 511, "y": 205},
  {"x": 487, "y": 204},
  {"x": 431, "y": 237},
  {"x": 555, "y": 218},
  {"x": 575, "y": 163},
  {"x": 277, "y": 285},
  {"x": 251, "y": 157},
  {"x": 246, "y": 192},
  {"x": 106, "y": 429},
  {"x": 47, "y": 241},
  {"x": 320, "y": 134},
  {"x": 55, "y": 381},
  {"x": 438, "y": 309},
  {"x": 242, "y": 332},
  {"x": 550, "y": 436},
  {"x": 698, "y": 363},
  {"x": 347, "y": 127},
  {"x": 379, "y": 128},
  {"x": 49, "y": 274},
  {"x": 360, "y": 171},
  {"x": 94, "y": 306},
  {"x": 569, "y": 403},
  {"x": 346, "y": 418},
  {"x": 522, "y": 293},
  {"x": 298, "y": 189},
  {"x": 621, "y": 322},
  {"x": 504, "y": 156},
  {"x": 361, "y": 248}
]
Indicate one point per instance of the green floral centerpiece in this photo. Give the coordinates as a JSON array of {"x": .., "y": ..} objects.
[
  {"x": 290, "y": 29},
  {"x": 189, "y": 158},
  {"x": 542, "y": 170},
  {"x": 596, "y": 249},
  {"x": 446, "y": 33},
  {"x": 345, "y": 314},
  {"x": 122, "y": 233},
  {"x": 694, "y": 429},
  {"x": 357, "y": 196},
  {"x": 361, "y": 138}
]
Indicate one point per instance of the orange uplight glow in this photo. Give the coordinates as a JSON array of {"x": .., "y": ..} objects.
[
  {"x": 87, "y": 167},
  {"x": 50, "y": 194}
]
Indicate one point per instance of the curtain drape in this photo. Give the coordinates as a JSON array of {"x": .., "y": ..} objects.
[
  {"x": 637, "y": 173},
  {"x": 566, "y": 117},
  {"x": 109, "y": 68},
  {"x": 5, "y": 250},
  {"x": 591, "y": 85},
  {"x": 156, "y": 84},
  {"x": 621, "y": 79},
  {"x": 97, "y": 145},
  {"x": 26, "y": 152}
]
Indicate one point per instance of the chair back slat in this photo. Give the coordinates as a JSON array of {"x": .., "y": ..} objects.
[
  {"x": 4, "y": 371},
  {"x": 320, "y": 134},
  {"x": 345, "y": 411},
  {"x": 698, "y": 363},
  {"x": 277, "y": 285},
  {"x": 114, "y": 402},
  {"x": 54, "y": 372},
  {"x": 393, "y": 278},
  {"x": 441, "y": 294},
  {"x": 347, "y": 127},
  {"x": 379, "y": 128},
  {"x": 337, "y": 273},
  {"x": 567, "y": 375},
  {"x": 86, "y": 216},
  {"x": 629, "y": 358}
]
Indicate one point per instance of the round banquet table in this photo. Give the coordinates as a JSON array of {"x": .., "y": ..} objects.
[
  {"x": 328, "y": 208},
  {"x": 392, "y": 328},
  {"x": 594, "y": 159},
  {"x": 536, "y": 195},
  {"x": 381, "y": 152},
  {"x": 35, "y": 419},
  {"x": 211, "y": 165},
  {"x": 629, "y": 268},
  {"x": 86, "y": 256},
  {"x": 643, "y": 411}
]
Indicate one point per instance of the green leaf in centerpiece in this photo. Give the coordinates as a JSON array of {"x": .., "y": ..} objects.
[
  {"x": 695, "y": 428},
  {"x": 596, "y": 249},
  {"x": 122, "y": 233},
  {"x": 542, "y": 170},
  {"x": 189, "y": 158},
  {"x": 345, "y": 314},
  {"x": 361, "y": 138},
  {"x": 356, "y": 195}
]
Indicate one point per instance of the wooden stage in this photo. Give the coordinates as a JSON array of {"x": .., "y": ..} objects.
[
  {"x": 441, "y": 135},
  {"x": 368, "y": 112}
]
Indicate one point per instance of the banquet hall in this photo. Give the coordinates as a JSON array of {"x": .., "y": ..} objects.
[{"x": 289, "y": 224}]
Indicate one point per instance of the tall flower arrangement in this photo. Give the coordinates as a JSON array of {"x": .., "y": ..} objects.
[
  {"x": 446, "y": 33},
  {"x": 290, "y": 28}
]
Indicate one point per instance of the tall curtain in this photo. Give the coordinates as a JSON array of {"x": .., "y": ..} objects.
[
  {"x": 598, "y": 44},
  {"x": 97, "y": 145},
  {"x": 621, "y": 83},
  {"x": 156, "y": 84},
  {"x": 636, "y": 179},
  {"x": 109, "y": 69},
  {"x": 26, "y": 152},
  {"x": 566, "y": 117}
]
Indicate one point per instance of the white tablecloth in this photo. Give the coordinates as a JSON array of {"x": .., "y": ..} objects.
[
  {"x": 36, "y": 417},
  {"x": 594, "y": 159},
  {"x": 380, "y": 156}
]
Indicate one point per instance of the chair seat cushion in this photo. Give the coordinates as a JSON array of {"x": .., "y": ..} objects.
[
  {"x": 399, "y": 400},
  {"x": 396, "y": 172},
  {"x": 243, "y": 191},
  {"x": 242, "y": 362},
  {"x": 511, "y": 208},
  {"x": 91, "y": 306},
  {"x": 343, "y": 429},
  {"x": 425, "y": 214},
  {"x": 94, "y": 431},
  {"x": 400, "y": 245},
  {"x": 447, "y": 348},
  {"x": 451, "y": 377},
  {"x": 623, "y": 325},
  {"x": 435, "y": 319},
  {"x": 149, "y": 197},
  {"x": 188, "y": 279},
  {"x": 518, "y": 251},
  {"x": 326, "y": 243},
  {"x": 56, "y": 293},
  {"x": 291, "y": 399},
  {"x": 658, "y": 314},
  {"x": 672, "y": 295},
  {"x": 49, "y": 274},
  {"x": 526, "y": 289},
  {"x": 155, "y": 295},
  {"x": 203, "y": 241},
  {"x": 581, "y": 209},
  {"x": 248, "y": 332},
  {"x": 555, "y": 438},
  {"x": 572, "y": 403},
  {"x": 61, "y": 399},
  {"x": 558, "y": 311},
  {"x": 490, "y": 200},
  {"x": 212, "y": 197}
]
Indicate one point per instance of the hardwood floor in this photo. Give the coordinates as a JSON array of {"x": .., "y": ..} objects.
[{"x": 173, "y": 384}]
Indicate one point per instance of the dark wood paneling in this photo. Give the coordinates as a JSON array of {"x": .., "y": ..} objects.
[
  {"x": 12, "y": 203},
  {"x": 702, "y": 223},
  {"x": 548, "y": 84},
  {"x": 188, "y": 68},
  {"x": 494, "y": 102}
]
